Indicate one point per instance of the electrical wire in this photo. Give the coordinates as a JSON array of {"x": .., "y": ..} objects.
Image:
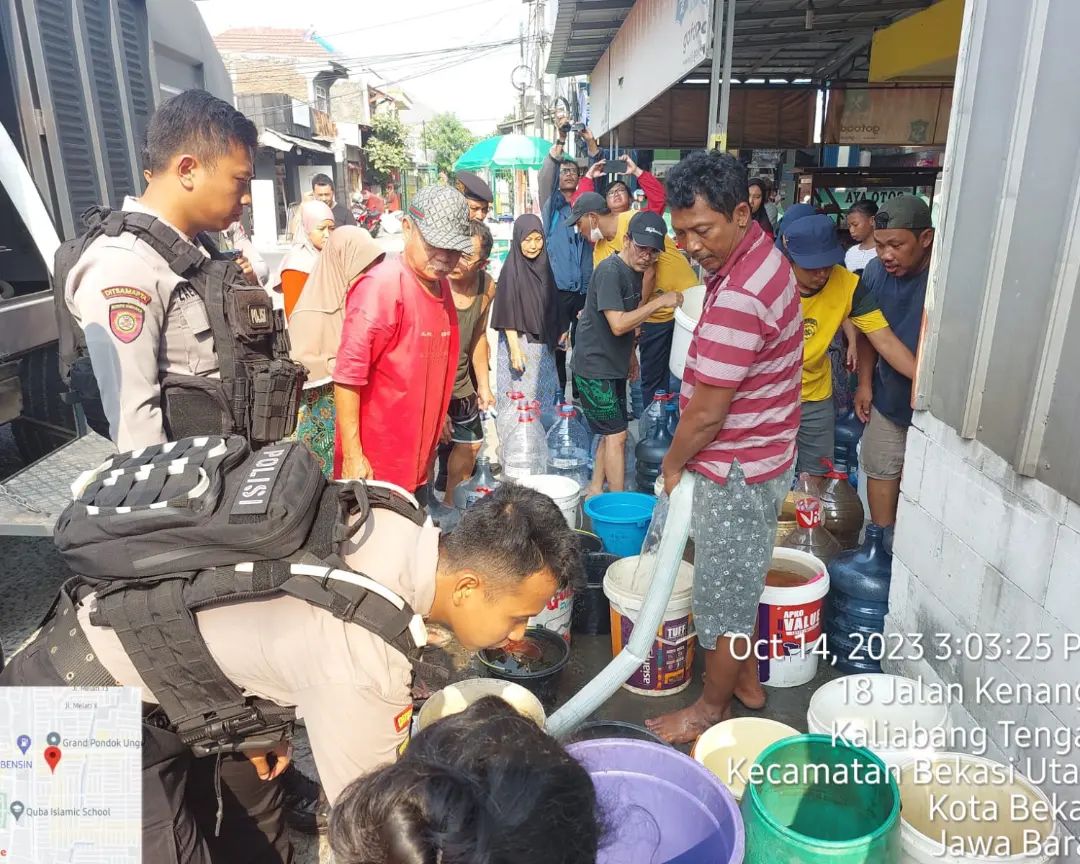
[{"x": 407, "y": 20}]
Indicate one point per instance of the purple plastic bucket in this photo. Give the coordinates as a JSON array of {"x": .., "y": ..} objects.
[{"x": 660, "y": 805}]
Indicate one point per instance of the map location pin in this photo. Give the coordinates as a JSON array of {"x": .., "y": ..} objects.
[
  {"x": 52, "y": 756},
  {"x": 23, "y": 743},
  {"x": 17, "y": 809},
  {"x": 53, "y": 739}
]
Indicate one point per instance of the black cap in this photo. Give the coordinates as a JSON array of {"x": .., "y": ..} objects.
[
  {"x": 648, "y": 229},
  {"x": 587, "y": 202},
  {"x": 471, "y": 186}
]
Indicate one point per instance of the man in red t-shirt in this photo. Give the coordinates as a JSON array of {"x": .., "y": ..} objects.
[
  {"x": 740, "y": 400},
  {"x": 395, "y": 368}
]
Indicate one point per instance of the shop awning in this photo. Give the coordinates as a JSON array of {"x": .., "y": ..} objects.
[
  {"x": 285, "y": 143},
  {"x": 638, "y": 50}
]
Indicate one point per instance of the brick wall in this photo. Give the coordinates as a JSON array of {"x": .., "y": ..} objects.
[
  {"x": 267, "y": 75},
  {"x": 982, "y": 550}
]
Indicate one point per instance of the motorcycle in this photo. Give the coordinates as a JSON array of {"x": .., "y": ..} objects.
[{"x": 367, "y": 219}]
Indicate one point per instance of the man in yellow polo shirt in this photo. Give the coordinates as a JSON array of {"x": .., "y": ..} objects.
[
  {"x": 830, "y": 294},
  {"x": 606, "y": 231}
]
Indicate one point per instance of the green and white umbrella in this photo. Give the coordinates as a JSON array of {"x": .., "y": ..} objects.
[{"x": 504, "y": 151}]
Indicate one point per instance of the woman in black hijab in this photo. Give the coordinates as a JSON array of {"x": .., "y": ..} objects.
[
  {"x": 525, "y": 313},
  {"x": 758, "y": 196}
]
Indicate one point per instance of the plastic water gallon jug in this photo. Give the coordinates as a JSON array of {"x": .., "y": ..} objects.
[
  {"x": 842, "y": 511},
  {"x": 568, "y": 446},
  {"x": 525, "y": 450},
  {"x": 506, "y": 418},
  {"x": 650, "y": 452},
  {"x": 858, "y": 601},
  {"x": 482, "y": 483},
  {"x": 653, "y": 414},
  {"x": 849, "y": 429}
]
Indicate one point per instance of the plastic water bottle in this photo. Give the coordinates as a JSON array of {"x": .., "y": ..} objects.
[
  {"x": 525, "y": 450},
  {"x": 671, "y": 415},
  {"x": 507, "y": 418},
  {"x": 653, "y": 414},
  {"x": 568, "y": 446},
  {"x": 481, "y": 484}
]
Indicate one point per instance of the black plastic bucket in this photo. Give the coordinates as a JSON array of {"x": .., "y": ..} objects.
[
  {"x": 592, "y": 611},
  {"x": 611, "y": 729},
  {"x": 543, "y": 682},
  {"x": 589, "y": 542}
]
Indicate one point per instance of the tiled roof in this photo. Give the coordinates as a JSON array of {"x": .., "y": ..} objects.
[{"x": 271, "y": 40}]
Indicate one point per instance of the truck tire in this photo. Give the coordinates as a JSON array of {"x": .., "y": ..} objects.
[{"x": 47, "y": 421}]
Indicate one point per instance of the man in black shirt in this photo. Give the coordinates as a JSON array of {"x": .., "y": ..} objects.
[
  {"x": 322, "y": 189},
  {"x": 618, "y": 302}
]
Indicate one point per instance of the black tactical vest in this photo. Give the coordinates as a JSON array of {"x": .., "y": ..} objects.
[{"x": 258, "y": 391}]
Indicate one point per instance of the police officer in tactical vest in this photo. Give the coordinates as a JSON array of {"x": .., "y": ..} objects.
[
  {"x": 175, "y": 342},
  {"x": 241, "y": 592}
]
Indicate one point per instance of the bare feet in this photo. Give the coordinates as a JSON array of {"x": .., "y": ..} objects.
[
  {"x": 682, "y": 727},
  {"x": 752, "y": 696}
]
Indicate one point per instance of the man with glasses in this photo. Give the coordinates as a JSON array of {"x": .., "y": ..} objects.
[
  {"x": 569, "y": 253},
  {"x": 395, "y": 369},
  {"x": 595, "y": 218},
  {"x": 618, "y": 301}
]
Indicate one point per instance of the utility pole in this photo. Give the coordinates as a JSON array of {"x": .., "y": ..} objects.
[
  {"x": 521, "y": 115},
  {"x": 538, "y": 112}
]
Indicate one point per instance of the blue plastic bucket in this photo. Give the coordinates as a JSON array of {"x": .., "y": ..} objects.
[
  {"x": 661, "y": 805},
  {"x": 621, "y": 520}
]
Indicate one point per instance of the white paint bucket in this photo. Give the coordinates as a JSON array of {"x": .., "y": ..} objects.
[
  {"x": 970, "y": 790},
  {"x": 686, "y": 319},
  {"x": 790, "y": 618},
  {"x": 455, "y": 698},
  {"x": 729, "y": 749},
  {"x": 558, "y": 615},
  {"x": 669, "y": 667},
  {"x": 564, "y": 491},
  {"x": 897, "y": 718}
]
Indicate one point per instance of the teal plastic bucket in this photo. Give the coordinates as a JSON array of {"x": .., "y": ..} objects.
[
  {"x": 621, "y": 520},
  {"x": 812, "y": 802}
]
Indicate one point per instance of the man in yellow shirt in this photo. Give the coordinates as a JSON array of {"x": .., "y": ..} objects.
[
  {"x": 830, "y": 295},
  {"x": 606, "y": 231}
]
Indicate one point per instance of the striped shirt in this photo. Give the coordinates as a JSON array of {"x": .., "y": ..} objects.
[{"x": 750, "y": 339}]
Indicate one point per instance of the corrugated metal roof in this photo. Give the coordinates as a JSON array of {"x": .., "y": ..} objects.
[{"x": 771, "y": 37}]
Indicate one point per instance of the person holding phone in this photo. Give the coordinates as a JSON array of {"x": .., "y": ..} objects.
[
  {"x": 617, "y": 193},
  {"x": 569, "y": 253}
]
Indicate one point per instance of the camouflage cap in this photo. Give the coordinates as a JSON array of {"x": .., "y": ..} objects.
[{"x": 442, "y": 215}]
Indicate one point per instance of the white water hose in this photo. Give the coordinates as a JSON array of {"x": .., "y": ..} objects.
[{"x": 640, "y": 646}]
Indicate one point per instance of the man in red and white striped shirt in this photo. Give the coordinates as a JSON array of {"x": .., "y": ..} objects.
[{"x": 740, "y": 416}]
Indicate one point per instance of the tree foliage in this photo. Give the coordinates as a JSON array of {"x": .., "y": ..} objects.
[
  {"x": 386, "y": 149},
  {"x": 446, "y": 138}
]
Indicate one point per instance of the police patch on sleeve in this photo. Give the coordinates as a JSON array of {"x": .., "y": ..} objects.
[
  {"x": 126, "y": 321},
  {"x": 121, "y": 292}
]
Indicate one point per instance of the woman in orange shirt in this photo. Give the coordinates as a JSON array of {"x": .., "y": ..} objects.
[{"x": 318, "y": 222}]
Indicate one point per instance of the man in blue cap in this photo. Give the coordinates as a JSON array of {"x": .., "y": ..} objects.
[{"x": 829, "y": 295}]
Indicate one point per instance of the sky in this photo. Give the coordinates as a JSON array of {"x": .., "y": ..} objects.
[{"x": 477, "y": 90}]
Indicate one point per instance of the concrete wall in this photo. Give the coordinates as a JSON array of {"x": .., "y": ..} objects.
[
  {"x": 981, "y": 550},
  {"x": 177, "y": 27}
]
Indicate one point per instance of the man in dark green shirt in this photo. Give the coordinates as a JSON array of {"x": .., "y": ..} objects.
[{"x": 619, "y": 301}]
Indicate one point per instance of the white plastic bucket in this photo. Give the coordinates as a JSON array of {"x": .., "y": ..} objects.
[
  {"x": 729, "y": 749},
  {"x": 895, "y": 717},
  {"x": 558, "y": 614},
  {"x": 686, "y": 318},
  {"x": 455, "y": 698},
  {"x": 669, "y": 667},
  {"x": 564, "y": 491},
  {"x": 969, "y": 790},
  {"x": 789, "y": 620}
]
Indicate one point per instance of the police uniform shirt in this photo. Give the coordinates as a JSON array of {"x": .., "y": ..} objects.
[
  {"x": 352, "y": 690},
  {"x": 140, "y": 324}
]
